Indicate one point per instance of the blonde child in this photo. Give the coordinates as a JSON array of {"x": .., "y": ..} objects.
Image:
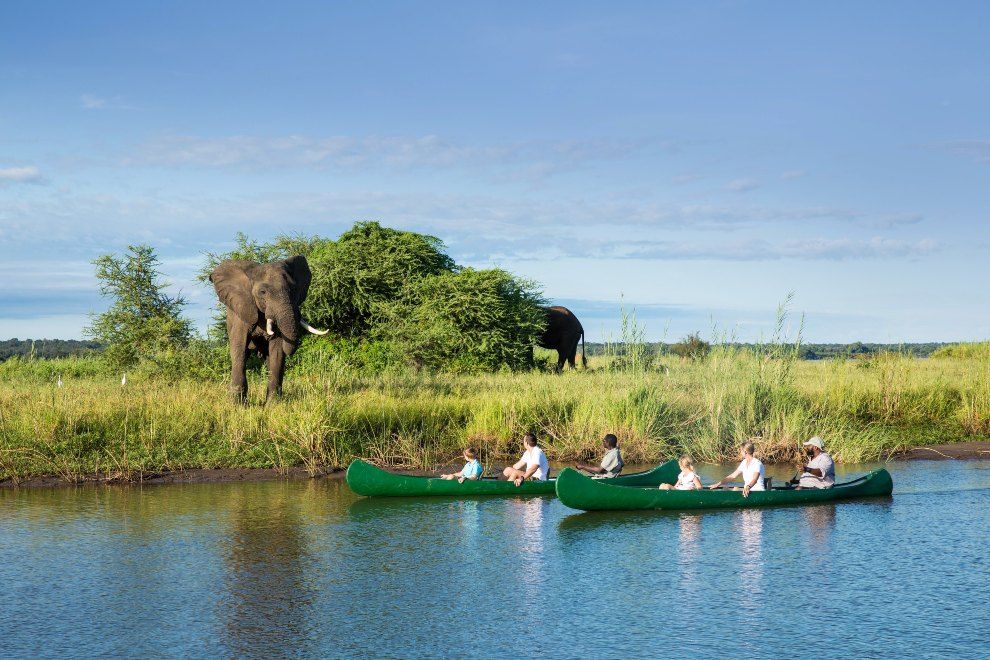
[
  {"x": 472, "y": 470},
  {"x": 687, "y": 479}
]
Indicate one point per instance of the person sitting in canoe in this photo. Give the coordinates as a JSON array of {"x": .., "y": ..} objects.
[
  {"x": 820, "y": 470},
  {"x": 532, "y": 465},
  {"x": 611, "y": 463},
  {"x": 751, "y": 469},
  {"x": 472, "y": 470},
  {"x": 688, "y": 479}
]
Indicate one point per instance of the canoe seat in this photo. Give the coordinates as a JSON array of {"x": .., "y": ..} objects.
[{"x": 767, "y": 483}]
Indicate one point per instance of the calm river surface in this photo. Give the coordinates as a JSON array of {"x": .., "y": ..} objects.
[{"x": 307, "y": 568}]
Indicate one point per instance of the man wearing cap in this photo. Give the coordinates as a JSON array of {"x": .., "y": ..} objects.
[{"x": 820, "y": 470}]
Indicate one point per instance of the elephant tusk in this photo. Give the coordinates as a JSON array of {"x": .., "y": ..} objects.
[
  {"x": 270, "y": 327},
  {"x": 312, "y": 329}
]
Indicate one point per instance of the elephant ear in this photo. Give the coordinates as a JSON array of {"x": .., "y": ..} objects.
[
  {"x": 298, "y": 269},
  {"x": 233, "y": 285}
]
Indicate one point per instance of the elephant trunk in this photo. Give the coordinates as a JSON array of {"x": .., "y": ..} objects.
[{"x": 288, "y": 326}]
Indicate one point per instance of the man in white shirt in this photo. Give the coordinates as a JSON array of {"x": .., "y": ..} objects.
[
  {"x": 820, "y": 470},
  {"x": 532, "y": 465}
]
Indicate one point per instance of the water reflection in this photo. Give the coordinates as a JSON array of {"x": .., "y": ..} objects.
[
  {"x": 689, "y": 538},
  {"x": 749, "y": 523},
  {"x": 820, "y": 521},
  {"x": 267, "y": 595}
]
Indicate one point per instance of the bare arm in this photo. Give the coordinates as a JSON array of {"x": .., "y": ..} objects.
[
  {"x": 519, "y": 464},
  {"x": 697, "y": 483},
  {"x": 812, "y": 471},
  {"x": 593, "y": 469}
]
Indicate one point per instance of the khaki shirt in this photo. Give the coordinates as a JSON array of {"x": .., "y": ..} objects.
[
  {"x": 612, "y": 462},
  {"x": 824, "y": 463}
]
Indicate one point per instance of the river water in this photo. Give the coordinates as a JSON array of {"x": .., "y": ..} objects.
[{"x": 307, "y": 569}]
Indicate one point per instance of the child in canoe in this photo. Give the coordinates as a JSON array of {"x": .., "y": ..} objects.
[
  {"x": 472, "y": 470},
  {"x": 687, "y": 479}
]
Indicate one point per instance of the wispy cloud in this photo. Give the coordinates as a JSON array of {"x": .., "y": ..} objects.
[
  {"x": 976, "y": 150},
  {"x": 541, "y": 157},
  {"x": 742, "y": 185},
  {"x": 94, "y": 102},
  {"x": 27, "y": 174},
  {"x": 190, "y": 220},
  {"x": 841, "y": 249},
  {"x": 792, "y": 174}
]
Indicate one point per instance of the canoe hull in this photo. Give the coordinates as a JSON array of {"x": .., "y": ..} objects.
[
  {"x": 370, "y": 481},
  {"x": 578, "y": 492}
]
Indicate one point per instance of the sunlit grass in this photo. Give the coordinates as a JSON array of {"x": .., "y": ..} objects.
[{"x": 865, "y": 409}]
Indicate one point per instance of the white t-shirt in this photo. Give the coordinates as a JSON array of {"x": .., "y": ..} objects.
[
  {"x": 685, "y": 480},
  {"x": 535, "y": 456},
  {"x": 748, "y": 468}
]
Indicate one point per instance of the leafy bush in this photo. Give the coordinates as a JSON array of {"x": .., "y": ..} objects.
[
  {"x": 692, "y": 347},
  {"x": 366, "y": 267},
  {"x": 143, "y": 322},
  {"x": 470, "y": 320},
  {"x": 964, "y": 351}
]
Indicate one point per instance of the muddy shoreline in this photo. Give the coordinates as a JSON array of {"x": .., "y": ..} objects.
[{"x": 959, "y": 451}]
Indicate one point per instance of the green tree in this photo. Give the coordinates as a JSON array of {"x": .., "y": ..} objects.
[
  {"x": 692, "y": 347},
  {"x": 143, "y": 322},
  {"x": 367, "y": 267},
  {"x": 471, "y": 320}
]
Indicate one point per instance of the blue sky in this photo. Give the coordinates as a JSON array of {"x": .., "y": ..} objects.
[{"x": 697, "y": 161}]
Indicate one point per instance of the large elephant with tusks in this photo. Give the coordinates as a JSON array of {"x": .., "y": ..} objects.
[
  {"x": 562, "y": 335},
  {"x": 263, "y": 316}
]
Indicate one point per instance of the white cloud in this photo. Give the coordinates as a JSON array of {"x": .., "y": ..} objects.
[
  {"x": 91, "y": 102},
  {"x": 792, "y": 174},
  {"x": 746, "y": 250},
  {"x": 27, "y": 174},
  {"x": 540, "y": 157},
  {"x": 94, "y": 102},
  {"x": 976, "y": 150},
  {"x": 742, "y": 185}
]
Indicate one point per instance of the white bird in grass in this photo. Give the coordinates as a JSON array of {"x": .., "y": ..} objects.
[
  {"x": 60, "y": 380},
  {"x": 123, "y": 379}
]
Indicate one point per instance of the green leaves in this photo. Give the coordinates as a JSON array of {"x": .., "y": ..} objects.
[
  {"x": 471, "y": 320},
  {"x": 143, "y": 322}
]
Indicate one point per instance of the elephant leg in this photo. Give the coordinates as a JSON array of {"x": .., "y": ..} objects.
[
  {"x": 238, "y": 358},
  {"x": 572, "y": 354},
  {"x": 561, "y": 358},
  {"x": 276, "y": 369}
]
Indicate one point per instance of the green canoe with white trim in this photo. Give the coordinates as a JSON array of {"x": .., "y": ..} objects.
[
  {"x": 366, "y": 479},
  {"x": 579, "y": 492}
]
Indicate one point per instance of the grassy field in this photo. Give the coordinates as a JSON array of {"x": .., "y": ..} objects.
[{"x": 865, "y": 409}]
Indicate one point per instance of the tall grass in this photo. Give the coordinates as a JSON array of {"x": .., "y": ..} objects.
[{"x": 865, "y": 410}]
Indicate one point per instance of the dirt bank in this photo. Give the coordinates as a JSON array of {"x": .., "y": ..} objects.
[
  {"x": 194, "y": 476},
  {"x": 954, "y": 451}
]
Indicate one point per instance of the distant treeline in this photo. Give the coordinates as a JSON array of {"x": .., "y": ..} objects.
[
  {"x": 46, "y": 348},
  {"x": 58, "y": 348},
  {"x": 807, "y": 352}
]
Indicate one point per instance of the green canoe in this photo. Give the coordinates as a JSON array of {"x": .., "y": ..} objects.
[
  {"x": 366, "y": 479},
  {"x": 579, "y": 492}
]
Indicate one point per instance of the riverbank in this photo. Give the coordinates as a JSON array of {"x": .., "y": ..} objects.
[
  {"x": 962, "y": 451},
  {"x": 867, "y": 410}
]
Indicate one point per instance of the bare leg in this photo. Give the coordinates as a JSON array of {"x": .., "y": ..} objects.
[{"x": 666, "y": 487}]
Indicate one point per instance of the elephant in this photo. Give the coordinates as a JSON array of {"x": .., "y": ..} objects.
[
  {"x": 262, "y": 302},
  {"x": 562, "y": 335}
]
